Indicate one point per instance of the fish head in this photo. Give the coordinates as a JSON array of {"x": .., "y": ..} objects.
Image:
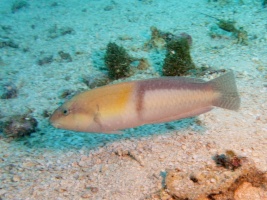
[{"x": 73, "y": 116}]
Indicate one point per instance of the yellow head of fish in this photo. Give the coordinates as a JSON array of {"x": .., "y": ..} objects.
[{"x": 99, "y": 110}]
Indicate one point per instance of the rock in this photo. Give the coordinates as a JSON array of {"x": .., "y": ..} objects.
[
  {"x": 86, "y": 195},
  {"x": 16, "y": 178},
  {"x": 65, "y": 56},
  {"x": 45, "y": 60},
  {"x": 94, "y": 189},
  {"x": 19, "y": 126},
  {"x": 9, "y": 91},
  {"x": 29, "y": 164},
  {"x": 218, "y": 183},
  {"x": 2, "y": 192},
  {"x": 247, "y": 192}
]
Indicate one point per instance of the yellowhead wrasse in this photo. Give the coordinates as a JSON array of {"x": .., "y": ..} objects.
[{"x": 111, "y": 108}]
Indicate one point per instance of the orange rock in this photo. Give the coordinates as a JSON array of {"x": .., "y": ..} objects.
[{"x": 247, "y": 192}]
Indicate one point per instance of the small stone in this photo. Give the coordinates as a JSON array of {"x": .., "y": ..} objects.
[
  {"x": 84, "y": 158},
  {"x": 74, "y": 164},
  {"x": 45, "y": 60},
  {"x": 76, "y": 176},
  {"x": 2, "y": 192},
  {"x": 61, "y": 190},
  {"x": 9, "y": 91},
  {"x": 212, "y": 180},
  {"x": 29, "y": 164},
  {"x": 58, "y": 177},
  {"x": 65, "y": 56},
  {"x": 86, "y": 195},
  {"x": 94, "y": 189},
  {"x": 82, "y": 164},
  {"x": 255, "y": 59},
  {"x": 16, "y": 178}
]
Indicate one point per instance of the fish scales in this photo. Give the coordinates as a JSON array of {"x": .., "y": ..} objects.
[
  {"x": 169, "y": 97},
  {"x": 125, "y": 105}
]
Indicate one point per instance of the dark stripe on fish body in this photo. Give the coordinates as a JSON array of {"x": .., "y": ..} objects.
[{"x": 178, "y": 83}]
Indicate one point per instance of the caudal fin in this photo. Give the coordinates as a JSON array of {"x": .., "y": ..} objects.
[{"x": 226, "y": 85}]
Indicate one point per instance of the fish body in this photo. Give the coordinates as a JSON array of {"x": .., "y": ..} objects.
[{"x": 111, "y": 108}]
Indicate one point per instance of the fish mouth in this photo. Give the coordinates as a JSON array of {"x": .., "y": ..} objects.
[
  {"x": 53, "y": 122},
  {"x": 56, "y": 125}
]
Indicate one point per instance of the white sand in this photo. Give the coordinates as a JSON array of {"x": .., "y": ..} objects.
[{"x": 59, "y": 164}]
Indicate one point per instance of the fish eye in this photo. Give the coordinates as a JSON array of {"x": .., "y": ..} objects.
[{"x": 65, "y": 112}]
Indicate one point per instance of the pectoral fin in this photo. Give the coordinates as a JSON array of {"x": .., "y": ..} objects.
[{"x": 97, "y": 119}]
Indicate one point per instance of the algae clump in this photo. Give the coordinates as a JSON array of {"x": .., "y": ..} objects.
[
  {"x": 117, "y": 61},
  {"x": 178, "y": 61}
]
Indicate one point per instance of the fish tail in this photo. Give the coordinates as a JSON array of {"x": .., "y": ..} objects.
[{"x": 226, "y": 86}]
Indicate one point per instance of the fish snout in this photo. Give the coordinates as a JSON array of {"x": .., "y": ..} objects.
[{"x": 54, "y": 120}]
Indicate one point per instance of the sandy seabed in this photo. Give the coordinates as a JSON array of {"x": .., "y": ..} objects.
[{"x": 59, "y": 164}]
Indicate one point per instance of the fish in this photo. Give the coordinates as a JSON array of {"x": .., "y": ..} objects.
[{"x": 113, "y": 108}]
